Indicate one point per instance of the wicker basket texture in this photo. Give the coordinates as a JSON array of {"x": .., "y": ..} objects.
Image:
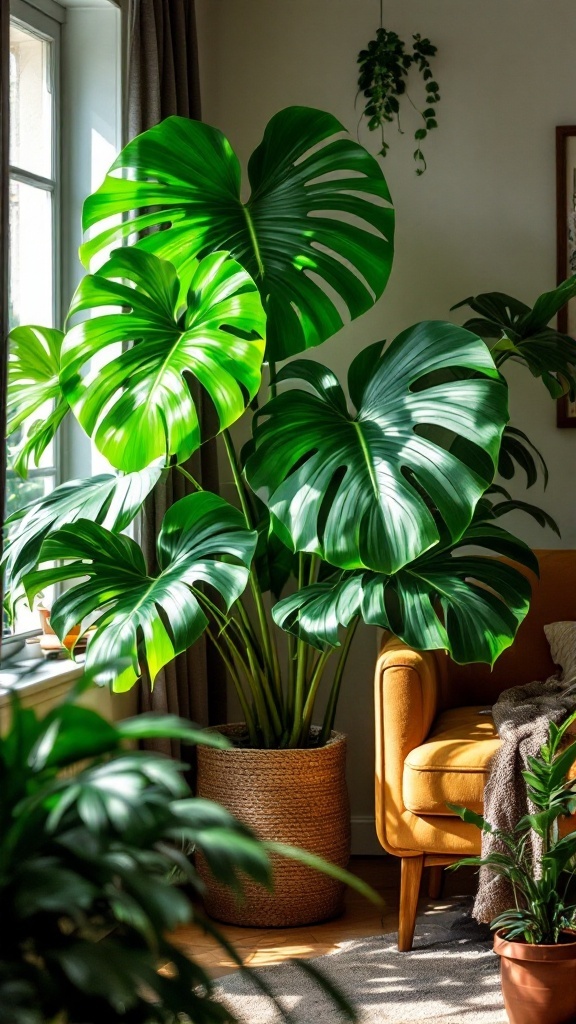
[{"x": 290, "y": 796}]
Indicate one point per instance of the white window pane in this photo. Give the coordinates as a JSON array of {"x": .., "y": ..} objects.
[
  {"x": 31, "y": 108},
  {"x": 31, "y": 261}
]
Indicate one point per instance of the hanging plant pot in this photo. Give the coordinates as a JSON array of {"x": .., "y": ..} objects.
[
  {"x": 538, "y": 980},
  {"x": 290, "y": 796}
]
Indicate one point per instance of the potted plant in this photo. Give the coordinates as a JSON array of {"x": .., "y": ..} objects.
[
  {"x": 91, "y": 834},
  {"x": 353, "y": 504},
  {"x": 536, "y": 938}
]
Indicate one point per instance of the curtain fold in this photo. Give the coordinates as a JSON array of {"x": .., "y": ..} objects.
[
  {"x": 163, "y": 76},
  {"x": 163, "y": 79}
]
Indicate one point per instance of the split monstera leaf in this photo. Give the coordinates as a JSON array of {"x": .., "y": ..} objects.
[
  {"x": 365, "y": 496},
  {"x": 379, "y": 494},
  {"x": 203, "y": 540},
  {"x": 290, "y": 234}
]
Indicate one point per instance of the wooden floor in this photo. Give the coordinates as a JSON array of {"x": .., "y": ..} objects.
[{"x": 259, "y": 947}]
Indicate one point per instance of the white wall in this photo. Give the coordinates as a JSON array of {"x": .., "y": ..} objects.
[{"x": 481, "y": 218}]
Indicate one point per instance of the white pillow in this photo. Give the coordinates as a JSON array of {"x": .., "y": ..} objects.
[{"x": 562, "y": 639}]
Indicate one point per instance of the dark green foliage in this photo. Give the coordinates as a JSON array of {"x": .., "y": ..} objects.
[
  {"x": 384, "y": 490},
  {"x": 517, "y": 450},
  {"x": 447, "y": 599},
  {"x": 384, "y": 68},
  {"x": 515, "y": 331},
  {"x": 85, "y": 901},
  {"x": 543, "y": 891}
]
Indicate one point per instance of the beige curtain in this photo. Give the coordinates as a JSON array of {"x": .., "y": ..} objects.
[{"x": 163, "y": 80}]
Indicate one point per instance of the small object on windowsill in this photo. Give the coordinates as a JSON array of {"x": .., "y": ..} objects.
[
  {"x": 50, "y": 644},
  {"x": 52, "y": 648}
]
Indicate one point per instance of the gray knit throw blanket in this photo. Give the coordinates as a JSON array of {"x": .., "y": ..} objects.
[{"x": 521, "y": 716}]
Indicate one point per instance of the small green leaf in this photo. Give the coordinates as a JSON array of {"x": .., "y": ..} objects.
[{"x": 471, "y": 817}]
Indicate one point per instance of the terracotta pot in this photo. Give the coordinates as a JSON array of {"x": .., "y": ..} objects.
[
  {"x": 291, "y": 796},
  {"x": 538, "y": 982}
]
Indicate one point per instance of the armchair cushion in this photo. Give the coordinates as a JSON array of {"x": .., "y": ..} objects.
[{"x": 451, "y": 765}]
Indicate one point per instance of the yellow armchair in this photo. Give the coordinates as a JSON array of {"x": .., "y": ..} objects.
[{"x": 434, "y": 743}]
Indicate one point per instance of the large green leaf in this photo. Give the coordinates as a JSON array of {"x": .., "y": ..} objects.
[
  {"x": 318, "y": 220},
  {"x": 467, "y": 604},
  {"x": 202, "y": 540},
  {"x": 33, "y": 382},
  {"x": 112, "y": 501},
  {"x": 139, "y": 406},
  {"x": 523, "y": 334},
  {"x": 357, "y": 488}
]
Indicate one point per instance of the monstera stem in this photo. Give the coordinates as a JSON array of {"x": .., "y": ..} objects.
[
  {"x": 332, "y": 704},
  {"x": 256, "y": 677},
  {"x": 268, "y": 645},
  {"x": 189, "y": 477},
  {"x": 315, "y": 680},
  {"x": 246, "y": 709},
  {"x": 301, "y": 662}
]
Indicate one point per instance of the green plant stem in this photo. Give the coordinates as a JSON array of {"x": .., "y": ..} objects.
[
  {"x": 256, "y": 679},
  {"x": 332, "y": 704},
  {"x": 249, "y": 629},
  {"x": 313, "y": 569},
  {"x": 189, "y": 477},
  {"x": 301, "y": 662},
  {"x": 270, "y": 652},
  {"x": 316, "y": 679},
  {"x": 246, "y": 709},
  {"x": 272, "y": 383}
]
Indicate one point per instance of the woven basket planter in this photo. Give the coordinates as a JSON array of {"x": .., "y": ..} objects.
[{"x": 290, "y": 796}]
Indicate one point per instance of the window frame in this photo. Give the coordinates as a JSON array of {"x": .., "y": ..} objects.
[
  {"x": 52, "y": 20},
  {"x": 47, "y": 27}
]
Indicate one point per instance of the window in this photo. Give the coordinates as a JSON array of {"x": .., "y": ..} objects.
[
  {"x": 65, "y": 129},
  {"x": 35, "y": 215}
]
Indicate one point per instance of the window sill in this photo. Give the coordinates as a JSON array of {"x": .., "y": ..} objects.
[
  {"x": 37, "y": 681},
  {"x": 42, "y": 684}
]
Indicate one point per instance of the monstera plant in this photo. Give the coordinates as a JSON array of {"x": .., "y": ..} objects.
[{"x": 356, "y": 503}]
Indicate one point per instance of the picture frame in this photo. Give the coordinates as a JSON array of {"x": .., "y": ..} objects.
[{"x": 566, "y": 245}]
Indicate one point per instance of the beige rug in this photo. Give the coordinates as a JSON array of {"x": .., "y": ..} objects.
[{"x": 450, "y": 977}]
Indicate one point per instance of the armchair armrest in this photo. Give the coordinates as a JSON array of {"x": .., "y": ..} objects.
[{"x": 408, "y": 694}]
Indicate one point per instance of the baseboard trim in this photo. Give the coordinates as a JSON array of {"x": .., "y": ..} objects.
[{"x": 364, "y": 839}]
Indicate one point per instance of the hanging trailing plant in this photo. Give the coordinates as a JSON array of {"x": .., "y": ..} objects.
[{"x": 384, "y": 68}]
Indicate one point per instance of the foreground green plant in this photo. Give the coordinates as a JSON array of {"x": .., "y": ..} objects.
[
  {"x": 85, "y": 899},
  {"x": 544, "y": 894},
  {"x": 353, "y": 502}
]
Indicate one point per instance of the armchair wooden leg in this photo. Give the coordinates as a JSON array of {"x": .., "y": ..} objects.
[
  {"x": 435, "y": 879},
  {"x": 410, "y": 877}
]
